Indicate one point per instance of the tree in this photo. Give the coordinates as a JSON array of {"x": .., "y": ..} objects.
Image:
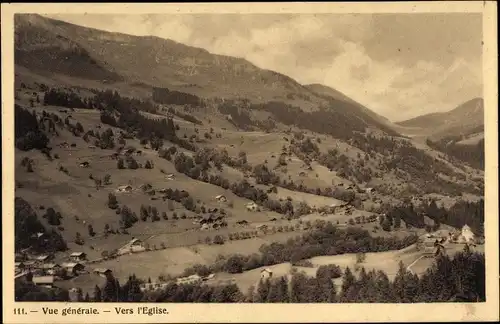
[
  {"x": 218, "y": 240},
  {"x": 234, "y": 264},
  {"x": 97, "y": 294},
  {"x": 121, "y": 164},
  {"x": 112, "y": 201},
  {"x": 348, "y": 282},
  {"x": 91, "y": 230},
  {"x": 78, "y": 239}
]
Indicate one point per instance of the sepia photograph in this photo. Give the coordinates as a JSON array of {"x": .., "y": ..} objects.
[{"x": 230, "y": 156}]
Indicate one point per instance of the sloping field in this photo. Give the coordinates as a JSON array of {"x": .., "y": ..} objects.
[{"x": 171, "y": 261}]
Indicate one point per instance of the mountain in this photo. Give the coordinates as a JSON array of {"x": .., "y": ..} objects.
[
  {"x": 48, "y": 46},
  {"x": 327, "y": 91},
  {"x": 466, "y": 121}
]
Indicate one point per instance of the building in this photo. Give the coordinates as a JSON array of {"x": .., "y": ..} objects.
[
  {"x": 103, "y": 272},
  {"x": 266, "y": 273},
  {"x": 135, "y": 245},
  {"x": 43, "y": 258},
  {"x": 251, "y": 206},
  {"x": 20, "y": 257},
  {"x": 221, "y": 198},
  {"x": 50, "y": 268},
  {"x": 193, "y": 279},
  {"x": 44, "y": 281},
  {"x": 78, "y": 256},
  {"x": 73, "y": 268},
  {"x": 466, "y": 236},
  {"x": 30, "y": 264},
  {"x": 126, "y": 188}
]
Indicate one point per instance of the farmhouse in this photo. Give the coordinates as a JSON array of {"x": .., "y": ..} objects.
[
  {"x": 266, "y": 273},
  {"x": 78, "y": 256},
  {"x": 19, "y": 257},
  {"x": 103, "y": 272},
  {"x": 73, "y": 268},
  {"x": 126, "y": 188},
  {"x": 135, "y": 245},
  {"x": 29, "y": 264},
  {"x": 221, "y": 198},
  {"x": 251, "y": 206},
  {"x": 44, "y": 281},
  {"x": 50, "y": 268},
  {"x": 43, "y": 258}
]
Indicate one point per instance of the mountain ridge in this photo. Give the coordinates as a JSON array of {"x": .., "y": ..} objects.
[{"x": 91, "y": 53}]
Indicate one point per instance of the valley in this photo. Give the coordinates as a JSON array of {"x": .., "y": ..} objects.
[{"x": 158, "y": 165}]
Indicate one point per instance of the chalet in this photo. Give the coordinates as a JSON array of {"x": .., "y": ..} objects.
[
  {"x": 126, "y": 188},
  {"x": 266, "y": 273},
  {"x": 50, "y": 268},
  {"x": 78, "y": 256},
  {"x": 251, "y": 206},
  {"x": 221, "y": 198},
  {"x": 43, "y": 258},
  {"x": 84, "y": 164},
  {"x": 30, "y": 264},
  {"x": 73, "y": 268},
  {"x": 103, "y": 272},
  {"x": 135, "y": 245},
  {"x": 38, "y": 236},
  {"x": 189, "y": 280},
  {"x": 44, "y": 281},
  {"x": 19, "y": 257}
]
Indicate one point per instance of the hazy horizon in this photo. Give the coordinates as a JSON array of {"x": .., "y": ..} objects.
[{"x": 398, "y": 65}]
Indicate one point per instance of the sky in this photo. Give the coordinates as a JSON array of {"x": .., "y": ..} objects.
[{"x": 398, "y": 65}]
